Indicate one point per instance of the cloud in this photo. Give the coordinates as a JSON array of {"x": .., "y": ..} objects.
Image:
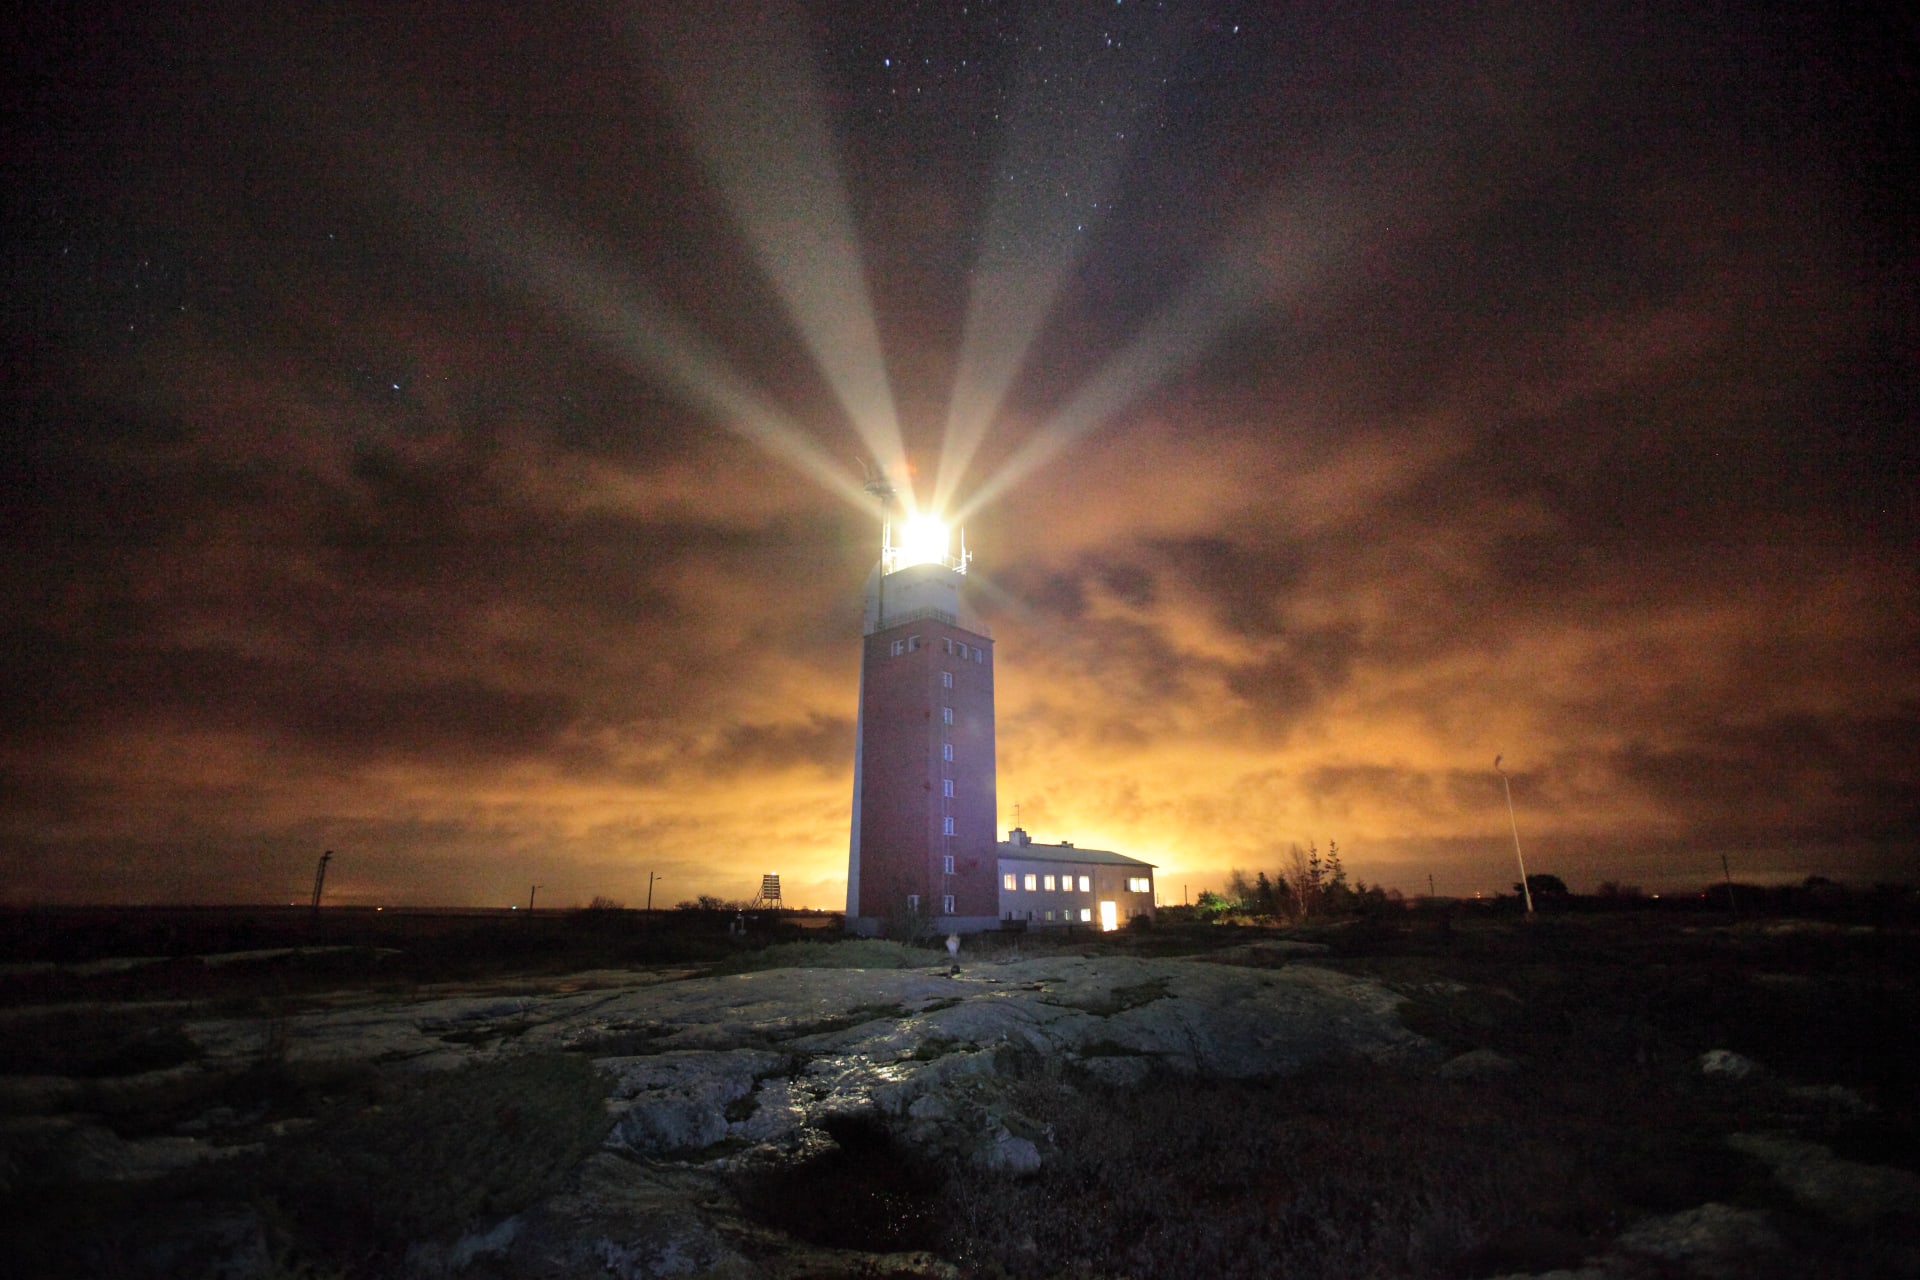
[{"x": 1562, "y": 415}]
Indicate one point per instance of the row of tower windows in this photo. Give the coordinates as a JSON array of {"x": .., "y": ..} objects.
[{"x": 958, "y": 648}]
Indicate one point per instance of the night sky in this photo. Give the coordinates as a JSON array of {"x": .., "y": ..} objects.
[{"x": 434, "y": 434}]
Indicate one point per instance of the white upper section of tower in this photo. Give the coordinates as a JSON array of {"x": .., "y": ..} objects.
[{"x": 918, "y": 579}]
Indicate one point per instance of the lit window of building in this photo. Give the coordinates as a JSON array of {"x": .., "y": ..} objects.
[
  {"x": 1046, "y": 882},
  {"x": 1086, "y": 884},
  {"x": 1009, "y": 882},
  {"x": 1032, "y": 882}
]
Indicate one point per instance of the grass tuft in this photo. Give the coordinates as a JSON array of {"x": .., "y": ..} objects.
[
  {"x": 857, "y": 953},
  {"x": 443, "y": 1151}
]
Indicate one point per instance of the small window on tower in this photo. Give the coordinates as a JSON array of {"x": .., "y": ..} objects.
[
  {"x": 946, "y": 905},
  {"x": 947, "y": 642},
  {"x": 946, "y": 786},
  {"x": 899, "y": 647},
  {"x": 946, "y": 679},
  {"x": 946, "y": 751},
  {"x": 946, "y": 864},
  {"x": 913, "y": 902},
  {"x": 1009, "y": 883},
  {"x": 946, "y": 826},
  {"x": 946, "y": 715}
]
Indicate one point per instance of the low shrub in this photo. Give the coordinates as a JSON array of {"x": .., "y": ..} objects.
[
  {"x": 855, "y": 953},
  {"x": 442, "y": 1151},
  {"x": 97, "y": 1042},
  {"x": 1353, "y": 1171}
]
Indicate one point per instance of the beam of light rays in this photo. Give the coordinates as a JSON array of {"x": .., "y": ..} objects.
[
  {"x": 1298, "y": 246},
  {"x": 1170, "y": 341},
  {"x": 435, "y": 170},
  {"x": 637, "y": 328},
  {"x": 1054, "y": 180},
  {"x": 745, "y": 88}
]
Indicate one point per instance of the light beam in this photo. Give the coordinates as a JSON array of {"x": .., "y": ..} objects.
[
  {"x": 638, "y": 329},
  {"x": 746, "y": 91},
  {"x": 1053, "y": 186}
]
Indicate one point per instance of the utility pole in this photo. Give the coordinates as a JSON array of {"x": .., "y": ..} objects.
[
  {"x": 1525, "y": 888},
  {"x": 530, "y": 894},
  {"x": 320, "y": 879},
  {"x": 650, "y": 879},
  {"x": 1728, "y": 873}
]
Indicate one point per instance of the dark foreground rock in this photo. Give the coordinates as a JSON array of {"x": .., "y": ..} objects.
[{"x": 778, "y": 1123}]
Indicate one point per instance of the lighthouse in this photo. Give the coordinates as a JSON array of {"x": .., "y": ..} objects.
[{"x": 922, "y": 848}]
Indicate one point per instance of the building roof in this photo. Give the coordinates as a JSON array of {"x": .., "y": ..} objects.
[{"x": 1066, "y": 853}]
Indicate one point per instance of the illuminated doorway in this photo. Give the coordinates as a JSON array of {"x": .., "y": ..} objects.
[{"x": 1109, "y": 917}]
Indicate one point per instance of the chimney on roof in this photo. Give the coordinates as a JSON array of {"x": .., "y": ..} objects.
[{"x": 1019, "y": 836}]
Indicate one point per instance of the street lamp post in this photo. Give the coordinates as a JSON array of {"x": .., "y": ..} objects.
[
  {"x": 1526, "y": 890},
  {"x": 650, "y": 880}
]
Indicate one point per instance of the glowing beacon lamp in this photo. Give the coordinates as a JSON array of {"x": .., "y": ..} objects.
[{"x": 921, "y": 539}]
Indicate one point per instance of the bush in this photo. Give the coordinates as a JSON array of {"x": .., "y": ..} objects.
[
  {"x": 1353, "y": 1171},
  {"x": 855, "y": 953},
  {"x": 444, "y": 1150}
]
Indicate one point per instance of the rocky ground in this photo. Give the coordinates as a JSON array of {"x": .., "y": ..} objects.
[{"x": 716, "y": 1092}]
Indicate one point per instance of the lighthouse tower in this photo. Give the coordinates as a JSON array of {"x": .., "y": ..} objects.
[{"x": 924, "y": 808}]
